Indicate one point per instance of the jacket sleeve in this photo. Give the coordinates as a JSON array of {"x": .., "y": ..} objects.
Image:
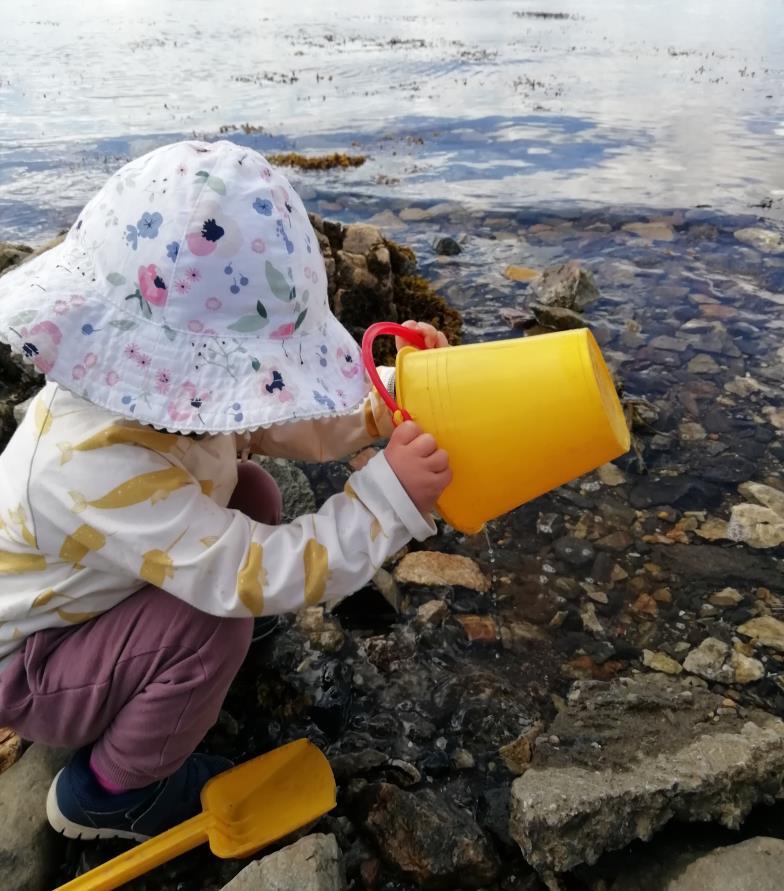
[
  {"x": 330, "y": 438},
  {"x": 157, "y": 526}
]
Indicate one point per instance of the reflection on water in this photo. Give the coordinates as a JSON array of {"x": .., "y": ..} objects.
[{"x": 666, "y": 103}]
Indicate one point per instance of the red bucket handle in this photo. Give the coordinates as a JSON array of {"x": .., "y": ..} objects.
[{"x": 413, "y": 337}]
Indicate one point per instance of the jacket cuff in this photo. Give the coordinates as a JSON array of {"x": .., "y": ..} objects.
[{"x": 386, "y": 485}]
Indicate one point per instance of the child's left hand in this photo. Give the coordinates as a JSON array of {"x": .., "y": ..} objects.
[{"x": 433, "y": 337}]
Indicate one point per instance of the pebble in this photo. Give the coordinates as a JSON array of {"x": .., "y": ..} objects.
[
  {"x": 746, "y": 670},
  {"x": 703, "y": 364},
  {"x": 726, "y": 597},
  {"x": 447, "y": 247},
  {"x": 479, "y": 629},
  {"x": 314, "y": 863},
  {"x": 765, "y": 630},
  {"x": 520, "y": 273},
  {"x": 574, "y": 551},
  {"x": 432, "y": 613},
  {"x": 611, "y": 475},
  {"x": 708, "y": 661},
  {"x": 763, "y": 240},
  {"x": 658, "y": 661},
  {"x": 651, "y": 231},
  {"x": 517, "y": 754},
  {"x": 463, "y": 759}
]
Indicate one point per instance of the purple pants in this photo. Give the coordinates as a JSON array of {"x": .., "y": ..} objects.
[{"x": 144, "y": 681}]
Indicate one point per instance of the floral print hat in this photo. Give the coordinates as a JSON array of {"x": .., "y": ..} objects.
[{"x": 191, "y": 295}]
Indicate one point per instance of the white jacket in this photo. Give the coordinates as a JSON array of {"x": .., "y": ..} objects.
[{"x": 93, "y": 507}]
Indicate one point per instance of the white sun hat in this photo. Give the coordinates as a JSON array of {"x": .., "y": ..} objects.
[{"x": 191, "y": 295}]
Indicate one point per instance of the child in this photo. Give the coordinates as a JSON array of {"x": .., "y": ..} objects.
[{"x": 183, "y": 320}]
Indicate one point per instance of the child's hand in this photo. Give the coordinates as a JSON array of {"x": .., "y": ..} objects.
[
  {"x": 433, "y": 337},
  {"x": 421, "y": 467}
]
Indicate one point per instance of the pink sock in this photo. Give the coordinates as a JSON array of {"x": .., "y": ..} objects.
[{"x": 106, "y": 785}]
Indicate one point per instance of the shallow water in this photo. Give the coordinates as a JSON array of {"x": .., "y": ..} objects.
[{"x": 656, "y": 103}]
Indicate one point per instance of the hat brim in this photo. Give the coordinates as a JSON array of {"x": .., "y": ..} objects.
[{"x": 54, "y": 314}]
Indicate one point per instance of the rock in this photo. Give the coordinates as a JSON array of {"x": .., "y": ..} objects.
[
  {"x": 324, "y": 634},
  {"x": 463, "y": 759},
  {"x": 617, "y": 542},
  {"x": 431, "y": 613},
  {"x": 669, "y": 344},
  {"x": 765, "y": 495},
  {"x": 10, "y": 748},
  {"x": 661, "y": 662},
  {"x": 517, "y": 754},
  {"x": 703, "y": 364},
  {"x": 361, "y": 238},
  {"x": 691, "y": 431},
  {"x": 591, "y": 621},
  {"x": 752, "y": 865},
  {"x": 428, "y": 839},
  {"x": 726, "y": 597},
  {"x": 651, "y": 231},
  {"x": 763, "y": 240},
  {"x": 611, "y": 475},
  {"x": 714, "y": 563},
  {"x": 520, "y": 273},
  {"x": 765, "y": 630},
  {"x": 708, "y": 661},
  {"x": 633, "y": 754},
  {"x": 756, "y": 525},
  {"x": 479, "y": 629},
  {"x": 13, "y": 254},
  {"x": 355, "y": 764},
  {"x": 314, "y": 863},
  {"x": 574, "y": 551},
  {"x": 435, "y": 568},
  {"x": 448, "y": 247},
  {"x": 569, "y": 286},
  {"x": 388, "y": 588},
  {"x": 713, "y": 529},
  {"x": 746, "y": 670},
  {"x": 298, "y": 497},
  {"x": 29, "y": 850},
  {"x": 557, "y": 317}
]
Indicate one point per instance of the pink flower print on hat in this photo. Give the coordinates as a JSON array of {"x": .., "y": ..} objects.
[
  {"x": 348, "y": 367},
  {"x": 40, "y": 345},
  {"x": 152, "y": 287}
]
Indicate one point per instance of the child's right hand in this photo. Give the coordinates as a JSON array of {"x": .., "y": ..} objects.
[{"x": 421, "y": 467}]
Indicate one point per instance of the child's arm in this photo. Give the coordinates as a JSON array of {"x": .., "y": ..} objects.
[
  {"x": 327, "y": 439},
  {"x": 143, "y": 517}
]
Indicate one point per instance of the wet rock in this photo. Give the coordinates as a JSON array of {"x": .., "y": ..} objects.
[
  {"x": 651, "y": 231},
  {"x": 434, "y": 568},
  {"x": 479, "y": 629},
  {"x": 714, "y": 563},
  {"x": 703, "y": 364},
  {"x": 763, "y": 240},
  {"x": 631, "y": 755},
  {"x": 752, "y": 865},
  {"x": 708, "y": 661},
  {"x": 661, "y": 662},
  {"x": 727, "y": 468},
  {"x": 616, "y": 542},
  {"x": 29, "y": 850},
  {"x": 323, "y": 634},
  {"x": 427, "y": 838},
  {"x": 726, "y": 597},
  {"x": 557, "y": 317},
  {"x": 591, "y": 621},
  {"x": 314, "y": 863},
  {"x": 680, "y": 491},
  {"x": 355, "y": 764},
  {"x": 756, "y": 525},
  {"x": 447, "y": 247},
  {"x": 574, "y": 551},
  {"x": 765, "y": 630},
  {"x": 517, "y": 754},
  {"x": 432, "y": 613},
  {"x": 745, "y": 669},
  {"x": 10, "y": 748},
  {"x": 611, "y": 475},
  {"x": 569, "y": 286},
  {"x": 13, "y": 254},
  {"x": 520, "y": 273}
]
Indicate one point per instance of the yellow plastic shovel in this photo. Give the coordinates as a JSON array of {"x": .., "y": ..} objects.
[{"x": 243, "y": 809}]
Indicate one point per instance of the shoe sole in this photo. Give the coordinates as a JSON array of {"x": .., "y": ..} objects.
[{"x": 60, "y": 823}]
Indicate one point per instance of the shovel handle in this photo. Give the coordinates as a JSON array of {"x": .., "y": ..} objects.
[
  {"x": 413, "y": 337},
  {"x": 155, "y": 851}
]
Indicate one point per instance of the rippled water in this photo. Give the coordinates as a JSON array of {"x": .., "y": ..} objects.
[{"x": 659, "y": 103}]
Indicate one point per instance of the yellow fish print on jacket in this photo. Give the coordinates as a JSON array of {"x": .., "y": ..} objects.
[
  {"x": 121, "y": 434},
  {"x": 153, "y": 487},
  {"x": 77, "y": 545}
]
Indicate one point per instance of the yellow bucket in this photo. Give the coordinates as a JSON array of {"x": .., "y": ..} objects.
[{"x": 517, "y": 417}]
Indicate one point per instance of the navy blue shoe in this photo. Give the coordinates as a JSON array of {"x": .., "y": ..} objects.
[{"x": 78, "y": 807}]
